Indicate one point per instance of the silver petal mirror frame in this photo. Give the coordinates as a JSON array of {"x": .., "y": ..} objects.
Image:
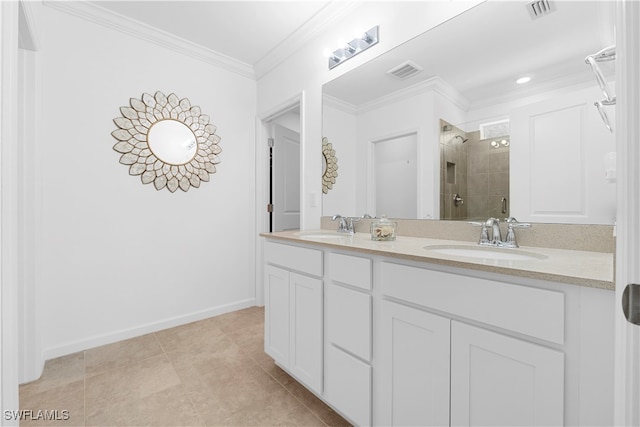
[
  {"x": 167, "y": 141},
  {"x": 329, "y": 165}
]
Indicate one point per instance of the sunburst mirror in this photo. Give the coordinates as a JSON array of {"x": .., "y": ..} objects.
[
  {"x": 166, "y": 141},
  {"x": 329, "y": 166}
]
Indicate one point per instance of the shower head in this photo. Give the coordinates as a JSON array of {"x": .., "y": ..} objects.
[
  {"x": 463, "y": 139},
  {"x": 447, "y": 128}
]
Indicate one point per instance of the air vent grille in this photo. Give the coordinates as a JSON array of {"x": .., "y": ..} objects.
[
  {"x": 540, "y": 8},
  {"x": 405, "y": 70}
]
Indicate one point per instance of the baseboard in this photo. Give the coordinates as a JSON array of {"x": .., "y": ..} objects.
[{"x": 98, "y": 340}]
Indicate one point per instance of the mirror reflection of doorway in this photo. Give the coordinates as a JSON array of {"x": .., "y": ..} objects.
[{"x": 395, "y": 174}]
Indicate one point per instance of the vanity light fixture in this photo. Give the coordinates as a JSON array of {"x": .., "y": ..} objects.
[
  {"x": 349, "y": 50},
  {"x": 523, "y": 80}
]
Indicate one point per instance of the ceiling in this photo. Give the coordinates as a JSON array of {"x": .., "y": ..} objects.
[{"x": 247, "y": 31}]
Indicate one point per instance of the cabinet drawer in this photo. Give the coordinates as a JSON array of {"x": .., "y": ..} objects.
[
  {"x": 350, "y": 270},
  {"x": 349, "y": 320},
  {"x": 304, "y": 260},
  {"x": 535, "y": 312},
  {"x": 348, "y": 385}
]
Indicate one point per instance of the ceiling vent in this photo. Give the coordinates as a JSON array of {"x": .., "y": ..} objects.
[
  {"x": 540, "y": 8},
  {"x": 405, "y": 70}
]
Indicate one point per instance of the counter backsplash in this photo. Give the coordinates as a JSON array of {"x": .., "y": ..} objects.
[{"x": 580, "y": 237}]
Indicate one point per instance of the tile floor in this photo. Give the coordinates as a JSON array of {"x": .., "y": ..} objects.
[{"x": 207, "y": 373}]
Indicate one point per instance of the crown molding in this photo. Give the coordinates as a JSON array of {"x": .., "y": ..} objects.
[
  {"x": 99, "y": 15},
  {"x": 328, "y": 15},
  {"x": 433, "y": 84},
  {"x": 338, "y": 104}
]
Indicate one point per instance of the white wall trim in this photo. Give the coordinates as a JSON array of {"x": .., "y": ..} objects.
[
  {"x": 99, "y": 15},
  {"x": 123, "y": 334},
  {"x": 435, "y": 84},
  {"x": 339, "y": 104}
]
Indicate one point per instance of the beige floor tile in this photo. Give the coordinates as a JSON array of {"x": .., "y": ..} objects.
[
  {"x": 59, "y": 406},
  {"x": 131, "y": 383},
  {"x": 226, "y": 390},
  {"x": 170, "y": 407},
  {"x": 210, "y": 372},
  {"x": 58, "y": 372},
  {"x": 280, "y": 409},
  {"x": 315, "y": 405},
  {"x": 192, "y": 338},
  {"x": 111, "y": 356},
  {"x": 240, "y": 319}
]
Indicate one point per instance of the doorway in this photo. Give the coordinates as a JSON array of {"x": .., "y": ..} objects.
[{"x": 284, "y": 178}]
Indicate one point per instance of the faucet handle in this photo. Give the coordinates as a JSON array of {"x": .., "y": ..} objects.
[
  {"x": 514, "y": 223},
  {"x": 484, "y": 232}
]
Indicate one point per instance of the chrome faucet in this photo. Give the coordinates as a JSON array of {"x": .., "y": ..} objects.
[
  {"x": 347, "y": 223},
  {"x": 496, "y": 235}
]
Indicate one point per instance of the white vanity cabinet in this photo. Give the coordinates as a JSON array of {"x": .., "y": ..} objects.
[
  {"x": 391, "y": 341},
  {"x": 348, "y": 336},
  {"x": 293, "y": 311}
]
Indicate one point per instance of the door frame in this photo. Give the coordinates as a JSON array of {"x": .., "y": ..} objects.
[
  {"x": 262, "y": 178},
  {"x": 9, "y": 310},
  {"x": 627, "y": 346}
]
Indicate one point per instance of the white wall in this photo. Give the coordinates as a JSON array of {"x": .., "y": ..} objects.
[
  {"x": 117, "y": 258},
  {"x": 340, "y": 129}
]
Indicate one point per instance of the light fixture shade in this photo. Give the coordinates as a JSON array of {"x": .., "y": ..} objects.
[{"x": 354, "y": 47}]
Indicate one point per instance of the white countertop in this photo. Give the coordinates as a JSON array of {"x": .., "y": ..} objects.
[{"x": 583, "y": 268}]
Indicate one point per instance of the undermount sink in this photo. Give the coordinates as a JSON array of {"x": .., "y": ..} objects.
[
  {"x": 507, "y": 254},
  {"x": 321, "y": 235}
]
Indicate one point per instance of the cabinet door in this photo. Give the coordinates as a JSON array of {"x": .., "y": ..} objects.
[
  {"x": 502, "y": 381},
  {"x": 414, "y": 367},
  {"x": 306, "y": 330},
  {"x": 276, "y": 323}
]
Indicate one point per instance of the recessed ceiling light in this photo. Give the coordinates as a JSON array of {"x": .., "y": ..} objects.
[{"x": 523, "y": 80}]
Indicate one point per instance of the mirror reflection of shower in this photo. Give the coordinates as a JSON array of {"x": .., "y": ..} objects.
[{"x": 474, "y": 172}]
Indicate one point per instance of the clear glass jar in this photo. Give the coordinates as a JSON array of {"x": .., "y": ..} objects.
[{"x": 383, "y": 229}]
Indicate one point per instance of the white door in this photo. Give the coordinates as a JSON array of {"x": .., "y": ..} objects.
[
  {"x": 395, "y": 173},
  {"x": 501, "y": 381},
  {"x": 286, "y": 179},
  {"x": 414, "y": 367}
]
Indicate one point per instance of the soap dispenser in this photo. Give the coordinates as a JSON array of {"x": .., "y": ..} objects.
[{"x": 383, "y": 229}]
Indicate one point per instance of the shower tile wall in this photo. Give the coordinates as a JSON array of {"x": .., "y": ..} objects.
[
  {"x": 488, "y": 178},
  {"x": 476, "y": 171},
  {"x": 453, "y": 174}
]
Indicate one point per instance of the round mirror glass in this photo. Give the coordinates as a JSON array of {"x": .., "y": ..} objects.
[{"x": 172, "y": 142}]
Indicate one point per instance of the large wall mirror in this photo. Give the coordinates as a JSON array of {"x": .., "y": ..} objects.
[{"x": 439, "y": 127}]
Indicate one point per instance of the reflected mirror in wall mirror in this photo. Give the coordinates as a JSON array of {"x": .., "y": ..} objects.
[
  {"x": 329, "y": 166},
  {"x": 557, "y": 141},
  {"x": 167, "y": 141},
  {"x": 172, "y": 142}
]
